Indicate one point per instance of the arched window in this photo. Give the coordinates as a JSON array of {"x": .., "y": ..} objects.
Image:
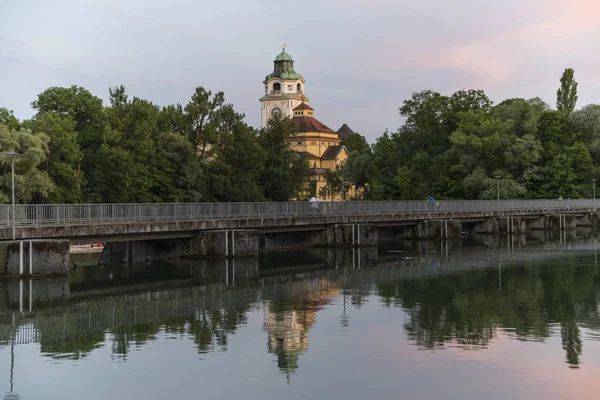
[
  {"x": 276, "y": 87},
  {"x": 299, "y": 88}
]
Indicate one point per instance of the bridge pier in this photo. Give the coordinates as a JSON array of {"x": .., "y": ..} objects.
[
  {"x": 34, "y": 257},
  {"x": 355, "y": 235},
  {"x": 223, "y": 243},
  {"x": 587, "y": 219},
  {"x": 282, "y": 241},
  {"x": 434, "y": 229},
  {"x": 511, "y": 224},
  {"x": 537, "y": 223}
]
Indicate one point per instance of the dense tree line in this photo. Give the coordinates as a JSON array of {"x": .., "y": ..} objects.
[
  {"x": 456, "y": 147},
  {"x": 77, "y": 150}
]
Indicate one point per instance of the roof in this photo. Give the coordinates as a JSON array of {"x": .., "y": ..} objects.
[
  {"x": 345, "y": 130},
  {"x": 308, "y": 155},
  {"x": 303, "y": 106},
  {"x": 332, "y": 152},
  {"x": 304, "y": 123},
  {"x": 283, "y": 56},
  {"x": 284, "y": 68}
]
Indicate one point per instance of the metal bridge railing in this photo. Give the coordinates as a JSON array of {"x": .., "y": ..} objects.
[{"x": 61, "y": 214}]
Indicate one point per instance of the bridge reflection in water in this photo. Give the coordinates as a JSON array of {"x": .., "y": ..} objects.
[{"x": 452, "y": 293}]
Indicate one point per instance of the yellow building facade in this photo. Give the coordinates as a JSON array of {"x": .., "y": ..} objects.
[{"x": 315, "y": 141}]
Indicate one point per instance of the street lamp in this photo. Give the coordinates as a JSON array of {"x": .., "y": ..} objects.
[
  {"x": 498, "y": 186},
  {"x": 594, "y": 185},
  {"x": 13, "y": 158}
]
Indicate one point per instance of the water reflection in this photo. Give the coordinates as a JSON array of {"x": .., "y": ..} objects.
[{"x": 463, "y": 294}]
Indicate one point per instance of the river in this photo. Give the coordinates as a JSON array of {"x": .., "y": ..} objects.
[{"x": 476, "y": 318}]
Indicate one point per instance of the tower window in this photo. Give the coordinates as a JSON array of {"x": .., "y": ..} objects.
[
  {"x": 299, "y": 88},
  {"x": 277, "y": 86},
  {"x": 290, "y": 88}
]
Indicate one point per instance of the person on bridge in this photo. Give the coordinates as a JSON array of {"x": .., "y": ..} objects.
[{"x": 314, "y": 205}]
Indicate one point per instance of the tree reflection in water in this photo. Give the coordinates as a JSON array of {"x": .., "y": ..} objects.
[{"x": 530, "y": 302}]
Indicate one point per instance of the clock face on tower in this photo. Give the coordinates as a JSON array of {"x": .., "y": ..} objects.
[{"x": 275, "y": 112}]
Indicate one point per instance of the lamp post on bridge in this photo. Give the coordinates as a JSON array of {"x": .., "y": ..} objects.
[
  {"x": 13, "y": 156},
  {"x": 594, "y": 187}
]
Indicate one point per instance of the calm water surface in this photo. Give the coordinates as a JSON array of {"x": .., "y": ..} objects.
[{"x": 479, "y": 319}]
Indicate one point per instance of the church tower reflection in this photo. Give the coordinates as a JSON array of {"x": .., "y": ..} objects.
[{"x": 287, "y": 322}]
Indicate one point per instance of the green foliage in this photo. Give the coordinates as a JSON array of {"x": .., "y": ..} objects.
[
  {"x": 8, "y": 119},
  {"x": 357, "y": 169},
  {"x": 282, "y": 175},
  {"x": 234, "y": 172},
  {"x": 64, "y": 161},
  {"x": 566, "y": 95},
  {"x": 31, "y": 183},
  {"x": 356, "y": 142},
  {"x": 449, "y": 147},
  {"x": 453, "y": 147}
]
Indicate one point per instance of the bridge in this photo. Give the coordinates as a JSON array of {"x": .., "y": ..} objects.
[
  {"x": 74, "y": 221},
  {"x": 149, "y": 231}
]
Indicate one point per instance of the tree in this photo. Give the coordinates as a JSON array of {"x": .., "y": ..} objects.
[
  {"x": 357, "y": 167},
  {"x": 586, "y": 123},
  {"x": 283, "y": 171},
  {"x": 128, "y": 170},
  {"x": 524, "y": 114},
  {"x": 7, "y": 118},
  {"x": 234, "y": 171},
  {"x": 356, "y": 142},
  {"x": 200, "y": 121},
  {"x": 566, "y": 95},
  {"x": 86, "y": 112},
  {"x": 30, "y": 182},
  {"x": 480, "y": 140},
  {"x": 64, "y": 156}
]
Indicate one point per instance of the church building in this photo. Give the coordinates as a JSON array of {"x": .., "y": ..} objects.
[{"x": 315, "y": 141}]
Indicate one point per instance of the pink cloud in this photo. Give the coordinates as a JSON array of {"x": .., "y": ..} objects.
[{"x": 556, "y": 29}]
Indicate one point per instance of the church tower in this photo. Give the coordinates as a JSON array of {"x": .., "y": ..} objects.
[{"x": 284, "y": 89}]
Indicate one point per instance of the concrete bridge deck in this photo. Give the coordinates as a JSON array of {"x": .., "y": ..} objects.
[{"x": 146, "y": 221}]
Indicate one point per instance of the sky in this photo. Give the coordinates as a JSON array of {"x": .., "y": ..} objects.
[{"x": 360, "y": 58}]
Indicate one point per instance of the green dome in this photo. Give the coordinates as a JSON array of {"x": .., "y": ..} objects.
[
  {"x": 283, "y": 56},
  {"x": 284, "y": 68}
]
